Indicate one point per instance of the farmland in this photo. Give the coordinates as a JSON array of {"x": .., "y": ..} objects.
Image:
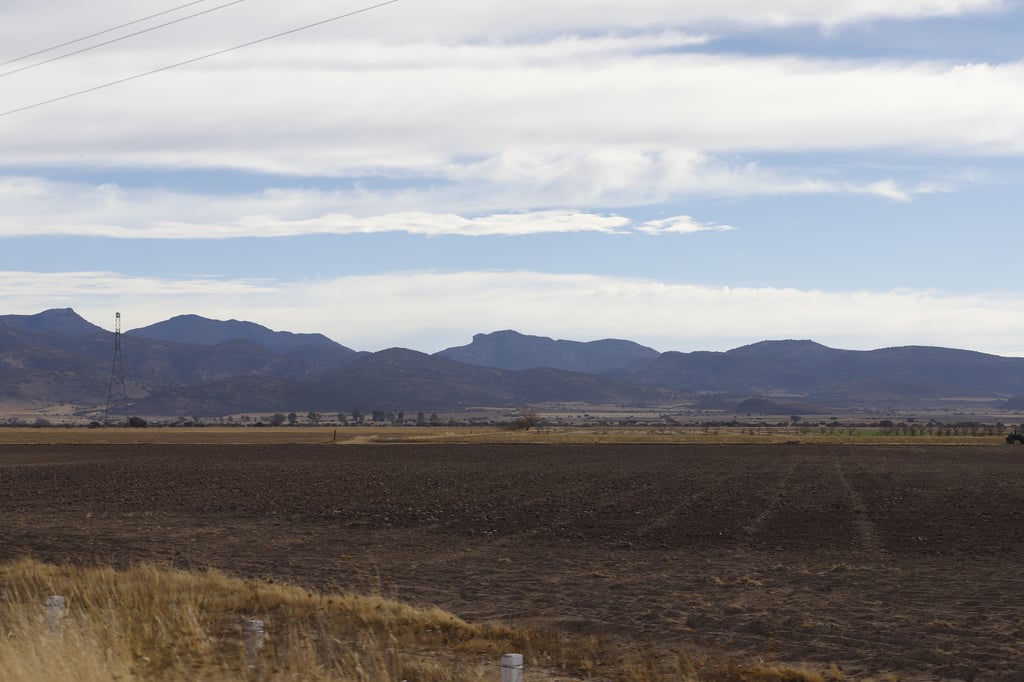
[{"x": 878, "y": 558}]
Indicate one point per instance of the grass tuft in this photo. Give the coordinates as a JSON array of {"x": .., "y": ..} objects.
[{"x": 149, "y": 623}]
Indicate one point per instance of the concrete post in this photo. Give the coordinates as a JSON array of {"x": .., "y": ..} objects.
[
  {"x": 55, "y": 613},
  {"x": 253, "y": 632},
  {"x": 512, "y": 668}
]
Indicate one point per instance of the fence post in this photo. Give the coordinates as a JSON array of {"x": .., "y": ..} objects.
[
  {"x": 55, "y": 613},
  {"x": 512, "y": 668},
  {"x": 253, "y": 631}
]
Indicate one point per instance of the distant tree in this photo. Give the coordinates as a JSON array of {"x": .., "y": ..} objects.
[
  {"x": 401, "y": 417},
  {"x": 379, "y": 416},
  {"x": 278, "y": 419},
  {"x": 527, "y": 419},
  {"x": 357, "y": 415},
  {"x": 292, "y": 418},
  {"x": 421, "y": 419},
  {"x": 313, "y": 418},
  {"x": 137, "y": 422},
  {"x": 342, "y": 418},
  {"x": 434, "y": 419}
]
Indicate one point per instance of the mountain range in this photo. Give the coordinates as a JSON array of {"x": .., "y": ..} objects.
[{"x": 190, "y": 365}]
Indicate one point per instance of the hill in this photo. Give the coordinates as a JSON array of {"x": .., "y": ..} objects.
[
  {"x": 196, "y": 330},
  {"x": 55, "y": 356},
  {"x": 190, "y": 365},
  {"x": 58, "y": 321},
  {"x": 396, "y": 380},
  {"x": 512, "y": 350},
  {"x": 58, "y": 357},
  {"x": 816, "y": 372}
]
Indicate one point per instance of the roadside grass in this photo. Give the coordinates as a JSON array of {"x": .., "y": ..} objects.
[{"x": 149, "y": 623}]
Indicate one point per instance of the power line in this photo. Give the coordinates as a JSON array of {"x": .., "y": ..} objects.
[
  {"x": 119, "y": 39},
  {"x": 100, "y": 33},
  {"x": 198, "y": 59}
]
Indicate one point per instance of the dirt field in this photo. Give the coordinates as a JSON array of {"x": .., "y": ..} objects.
[{"x": 879, "y": 559}]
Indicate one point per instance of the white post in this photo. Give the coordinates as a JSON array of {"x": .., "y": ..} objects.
[
  {"x": 253, "y": 630},
  {"x": 55, "y": 613},
  {"x": 512, "y": 668}
]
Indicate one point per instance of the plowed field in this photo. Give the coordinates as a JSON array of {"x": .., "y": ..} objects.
[{"x": 879, "y": 559}]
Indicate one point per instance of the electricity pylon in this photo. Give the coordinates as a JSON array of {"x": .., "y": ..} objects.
[{"x": 117, "y": 393}]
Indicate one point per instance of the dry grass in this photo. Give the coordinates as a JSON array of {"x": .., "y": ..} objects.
[
  {"x": 148, "y": 623},
  {"x": 151, "y": 623}
]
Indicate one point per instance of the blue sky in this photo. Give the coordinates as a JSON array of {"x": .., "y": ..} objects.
[{"x": 692, "y": 176}]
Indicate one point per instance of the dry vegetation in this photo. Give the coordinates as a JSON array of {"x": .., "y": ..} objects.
[
  {"x": 151, "y": 623},
  {"x": 318, "y": 435}
]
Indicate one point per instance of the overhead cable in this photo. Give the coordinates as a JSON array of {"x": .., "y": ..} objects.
[
  {"x": 100, "y": 33},
  {"x": 197, "y": 59},
  {"x": 120, "y": 38}
]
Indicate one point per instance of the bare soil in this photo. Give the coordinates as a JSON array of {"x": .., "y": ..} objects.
[{"x": 904, "y": 559}]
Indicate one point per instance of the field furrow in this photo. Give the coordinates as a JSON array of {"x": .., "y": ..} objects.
[{"x": 879, "y": 559}]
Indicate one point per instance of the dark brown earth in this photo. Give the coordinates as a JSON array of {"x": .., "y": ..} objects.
[{"x": 879, "y": 559}]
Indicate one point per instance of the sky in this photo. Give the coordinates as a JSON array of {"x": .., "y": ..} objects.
[{"x": 689, "y": 176}]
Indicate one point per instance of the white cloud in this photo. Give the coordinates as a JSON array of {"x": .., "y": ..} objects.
[
  {"x": 33, "y": 24},
  {"x": 683, "y": 224},
  {"x": 421, "y": 223},
  {"x": 490, "y": 18},
  {"x": 601, "y": 116},
  {"x": 429, "y": 311},
  {"x": 38, "y": 207},
  {"x": 35, "y": 206},
  {"x": 31, "y": 292}
]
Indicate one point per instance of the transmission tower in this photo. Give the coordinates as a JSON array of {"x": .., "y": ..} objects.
[{"x": 117, "y": 394}]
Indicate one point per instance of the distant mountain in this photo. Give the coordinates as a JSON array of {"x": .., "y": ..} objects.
[
  {"x": 404, "y": 379},
  {"x": 56, "y": 356},
  {"x": 251, "y": 393},
  {"x": 766, "y": 368},
  {"x": 64, "y": 321},
  {"x": 810, "y": 370},
  {"x": 399, "y": 379},
  {"x": 512, "y": 350},
  {"x": 196, "y": 330},
  {"x": 190, "y": 365}
]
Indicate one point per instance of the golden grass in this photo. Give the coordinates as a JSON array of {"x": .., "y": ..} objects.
[{"x": 149, "y": 623}]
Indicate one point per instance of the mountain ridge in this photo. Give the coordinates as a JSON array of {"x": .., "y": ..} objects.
[
  {"x": 509, "y": 349},
  {"x": 193, "y": 365},
  {"x": 55, "y": 320},
  {"x": 204, "y": 331}
]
